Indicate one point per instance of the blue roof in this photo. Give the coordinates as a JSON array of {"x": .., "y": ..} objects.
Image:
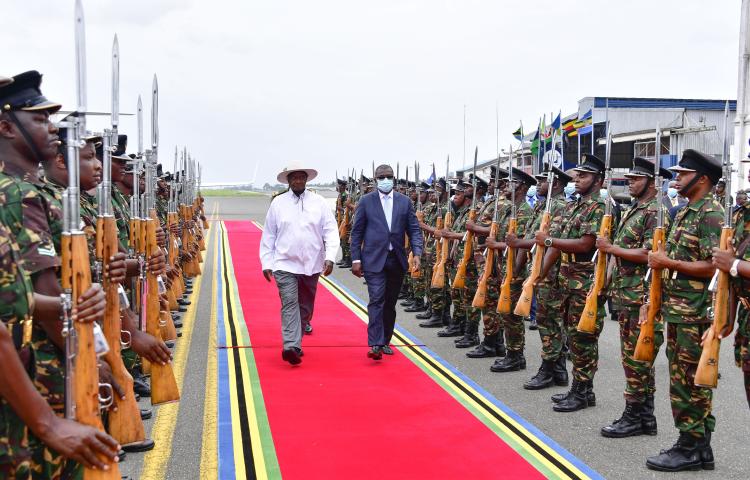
[{"x": 689, "y": 104}]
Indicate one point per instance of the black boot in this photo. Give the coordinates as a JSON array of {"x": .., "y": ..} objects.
[
  {"x": 453, "y": 329},
  {"x": 463, "y": 329},
  {"x": 559, "y": 397},
  {"x": 471, "y": 335},
  {"x": 533, "y": 325},
  {"x": 576, "y": 400},
  {"x": 417, "y": 306},
  {"x": 486, "y": 349},
  {"x": 590, "y": 396},
  {"x": 707, "y": 453},
  {"x": 684, "y": 455},
  {"x": 427, "y": 314},
  {"x": 501, "y": 350},
  {"x": 512, "y": 363},
  {"x": 408, "y": 302},
  {"x": 435, "y": 321},
  {"x": 628, "y": 425},
  {"x": 544, "y": 378},
  {"x": 648, "y": 420},
  {"x": 560, "y": 372}
]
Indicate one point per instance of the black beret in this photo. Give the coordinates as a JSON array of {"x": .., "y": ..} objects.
[{"x": 24, "y": 94}]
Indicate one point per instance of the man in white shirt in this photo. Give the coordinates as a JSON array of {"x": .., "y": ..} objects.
[{"x": 300, "y": 240}]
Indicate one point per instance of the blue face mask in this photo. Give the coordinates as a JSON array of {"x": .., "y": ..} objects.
[
  {"x": 672, "y": 192},
  {"x": 570, "y": 189},
  {"x": 385, "y": 185}
]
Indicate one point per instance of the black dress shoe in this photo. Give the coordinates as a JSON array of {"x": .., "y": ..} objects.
[
  {"x": 533, "y": 325},
  {"x": 291, "y": 355},
  {"x": 308, "y": 329},
  {"x": 146, "y": 413},
  {"x": 376, "y": 353},
  {"x": 387, "y": 350},
  {"x": 143, "y": 446}
]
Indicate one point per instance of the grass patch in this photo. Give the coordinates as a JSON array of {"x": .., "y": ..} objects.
[{"x": 230, "y": 193}]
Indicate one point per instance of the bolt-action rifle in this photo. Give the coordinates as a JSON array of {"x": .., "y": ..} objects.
[
  {"x": 587, "y": 323},
  {"x": 707, "y": 374},
  {"x": 459, "y": 281},
  {"x": 644, "y": 348},
  {"x": 124, "y": 421},
  {"x": 523, "y": 306},
  {"x": 438, "y": 278},
  {"x": 417, "y": 272},
  {"x": 480, "y": 298},
  {"x": 504, "y": 302},
  {"x": 84, "y": 342}
]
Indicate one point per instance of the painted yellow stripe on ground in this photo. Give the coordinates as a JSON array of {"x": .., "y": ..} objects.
[
  {"x": 255, "y": 437},
  {"x": 209, "y": 449},
  {"x": 156, "y": 461},
  {"x": 239, "y": 458},
  {"x": 457, "y": 392}
]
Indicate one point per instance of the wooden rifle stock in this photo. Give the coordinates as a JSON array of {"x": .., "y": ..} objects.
[
  {"x": 124, "y": 422},
  {"x": 163, "y": 384},
  {"x": 644, "y": 349},
  {"x": 76, "y": 278},
  {"x": 587, "y": 323},
  {"x": 438, "y": 249},
  {"x": 707, "y": 374},
  {"x": 438, "y": 280},
  {"x": 480, "y": 298},
  {"x": 504, "y": 302},
  {"x": 459, "y": 281},
  {"x": 523, "y": 306},
  {"x": 344, "y": 225}
]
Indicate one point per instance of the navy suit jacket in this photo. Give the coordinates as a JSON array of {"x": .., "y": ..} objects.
[{"x": 370, "y": 235}]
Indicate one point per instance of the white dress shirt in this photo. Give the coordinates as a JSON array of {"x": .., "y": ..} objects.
[
  {"x": 299, "y": 235},
  {"x": 386, "y": 201}
]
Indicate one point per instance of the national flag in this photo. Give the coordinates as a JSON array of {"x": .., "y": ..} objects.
[
  {"x": 587, "y": 129},
  {"x": 568, "y": 126},
  {"x": 535, "y": 140},
  {"x": 580, "y": 124},
  {"x": 518, "y": 134},
  {"x": 555, "y": 125},
  {"x": 430, "y": 180}
]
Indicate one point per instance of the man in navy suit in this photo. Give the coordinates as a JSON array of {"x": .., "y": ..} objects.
[{"x": 381, "y": 221}]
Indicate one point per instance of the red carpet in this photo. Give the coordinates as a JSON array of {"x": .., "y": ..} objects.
[{"x": 342, "y": 415}]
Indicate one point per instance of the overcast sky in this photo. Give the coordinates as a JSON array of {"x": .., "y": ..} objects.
[{"x": 340, "y": 84}]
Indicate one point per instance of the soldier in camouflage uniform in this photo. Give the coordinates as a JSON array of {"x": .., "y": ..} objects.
[
  {"x": 454, "y": 233},
  {"x": 737, "y": 264},
  {"x": 696, "y": 229},
  {"x": 574, "y": 242},
  {"x": 493, "y": 343},
  {"x": 32, "y": 212},
  {"x": 120, "y": 205},
  {"x": 162, "y": 195},
  {"x": 629, "y": 252},
  {"x": 512, "y": 325},
  {"x": 470, "y": 336},
  {"x": 341, "y": 202},
  {"x": 420, "y": 283},
  {"x": 547, "y": 292},
  {"x": 439, "y": 297}
]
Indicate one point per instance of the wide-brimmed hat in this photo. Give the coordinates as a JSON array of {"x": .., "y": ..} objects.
[{"x": 281, "y": 177}]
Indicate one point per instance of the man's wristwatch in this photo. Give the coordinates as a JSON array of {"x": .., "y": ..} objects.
[
  {"x": 548, "y": 242},
  {"x": 733, "y": 271}
]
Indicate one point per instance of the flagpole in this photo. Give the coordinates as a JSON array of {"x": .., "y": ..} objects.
[
  {"x": 579, "y": 146},
  {"x": 464, "y": 160},
  {"x": 562, "y": 143}
]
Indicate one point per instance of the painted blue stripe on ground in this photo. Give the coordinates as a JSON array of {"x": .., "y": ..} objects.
[
  {"x": 527, "y": 425},
  {"x": 224, "y": 415}
]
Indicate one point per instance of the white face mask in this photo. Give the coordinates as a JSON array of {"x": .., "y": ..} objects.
[{"x": 385, "y": 185}]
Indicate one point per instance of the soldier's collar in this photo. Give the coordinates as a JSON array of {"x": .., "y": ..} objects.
[
  {"x": 31, "y": 176},
  {"x": 699, "y": 204}
]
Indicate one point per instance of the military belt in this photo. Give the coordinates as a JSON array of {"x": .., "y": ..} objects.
[
  {"x": 576, "y": 257},
  {"x": 675, "y": 275}
]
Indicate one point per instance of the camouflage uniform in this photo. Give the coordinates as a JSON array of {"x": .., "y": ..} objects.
[
  {"x": 490, "y": 317},
  {"x": 462, "y": 298},
  {"x": 32, "y": 211},
  {"x": 16, "y": 304},
  {"x": 346, "y": 253},
  {"x": 121, "y": 210},
  {"x": 161, "y": 209},
  {"x": 742, "y": 289},
  {"x": 439, "y": 297},
  {"x": 89, "y": 213},
  {"x": 695, "y": 231},
  {"x": 548, "y": 292},
  {"x": 584, "y": 217},
  {"x": 420, "y": 283},
  {"x": 636, "y": 230},
  {"x": 513, "y": 324}
]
